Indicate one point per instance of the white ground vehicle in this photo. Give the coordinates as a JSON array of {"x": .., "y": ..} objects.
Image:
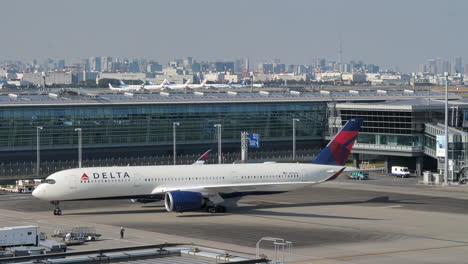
[
  {"x": 399, "y": 171},
  {"x": 18, "y": 236}
]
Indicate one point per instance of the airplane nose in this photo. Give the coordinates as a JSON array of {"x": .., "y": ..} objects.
[{"x": 38, "y": 192}]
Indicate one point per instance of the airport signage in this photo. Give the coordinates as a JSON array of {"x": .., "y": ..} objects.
[
  {"x": 441, "y": 144},
  {"x": 254, "y": 140},
  {"x": 105, "y": 175}
]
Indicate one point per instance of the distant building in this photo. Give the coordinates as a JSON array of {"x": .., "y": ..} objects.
[
  {"x": 291, "y": 77},
  {"x": 106, "y": 64},
  {"x": 154, "y": 67},
  {"x": 122, "y": 75},
  {"x": 60, "y": 78},
  {"x": 216, "y": 77},
  {"x": 224, "y": 66},
  {"x": 61, "y": 64},
  {"x": 458, "y": 65},
  {"x": 328, "y": 77},
  {"x": 95, "y": 64},
  {"x": 352, "y": 78}
]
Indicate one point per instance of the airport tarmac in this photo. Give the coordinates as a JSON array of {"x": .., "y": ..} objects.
[{"x": 383, "y": 220}]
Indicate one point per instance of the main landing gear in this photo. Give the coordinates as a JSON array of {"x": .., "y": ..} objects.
[
  {"x": 216, "y": 209},
  {"x": 57, "y": 210}
]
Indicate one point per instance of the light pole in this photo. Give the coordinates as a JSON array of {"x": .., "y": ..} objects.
[
  {"x": 218, "y": 126},
  {"x": 446, "y": 130},
  {"x": 79, "y": 146},
  {"x": 174, "y": 136},
  {"x": 38, "y": 149},
  {"x": 294, "y": 137}
]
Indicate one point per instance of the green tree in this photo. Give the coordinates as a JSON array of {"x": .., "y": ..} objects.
[{"x": 104, "y": 82}]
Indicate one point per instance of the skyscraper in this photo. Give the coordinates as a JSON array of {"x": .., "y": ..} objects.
[
  {"x": 61, "y": 64},
  {"x": 458, "y": 65},
  {"x": 95, "y": 63}
]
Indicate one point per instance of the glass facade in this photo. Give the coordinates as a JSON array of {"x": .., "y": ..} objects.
[
  {"x": 392, "y": 128},
  {"x": 139, "y": 125}
]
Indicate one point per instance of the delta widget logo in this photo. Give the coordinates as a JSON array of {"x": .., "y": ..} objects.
[{"x": 84, "y": 177}]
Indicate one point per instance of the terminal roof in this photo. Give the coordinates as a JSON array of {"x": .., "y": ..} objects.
[{"x": 74, "y": 96}]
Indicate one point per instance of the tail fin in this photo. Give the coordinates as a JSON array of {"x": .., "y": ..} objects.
[
  {"x": 337, "y": 151},
  {"x": 203, "y": 158},
  {"x": 110, "y": 86},
  {"x": 187, "y": 82},
  {"x": 122, "y": 83}
]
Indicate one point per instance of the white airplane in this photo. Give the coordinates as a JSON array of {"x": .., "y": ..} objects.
[
  {"x": 188, "y": 187},
  {"x": 148, "y": 85},
  {"x": 125, "y": 87},
  {"x": 219, "y": 85},
  {"x": 241, "y": 85},
  {"x": 150, "y": 199},
  {"x": 197, "y": 86},
  {"x": 175, "y": 86}
]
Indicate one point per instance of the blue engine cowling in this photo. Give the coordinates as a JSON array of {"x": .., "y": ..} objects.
[{"x": 181, "y": 201}]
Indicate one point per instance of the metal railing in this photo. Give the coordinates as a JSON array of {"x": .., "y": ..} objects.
[
  {"x": 28, "y": 169},
  {"x": 400, "y": 148}
]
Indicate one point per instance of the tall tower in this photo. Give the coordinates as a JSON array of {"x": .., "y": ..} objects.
[{"x": 340, "y": 52}]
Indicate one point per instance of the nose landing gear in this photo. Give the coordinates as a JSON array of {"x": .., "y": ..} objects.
[{"x": 57, "y": 210}]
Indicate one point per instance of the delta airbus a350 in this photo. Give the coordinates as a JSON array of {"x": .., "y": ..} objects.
[{"x": 188, "y": 187}]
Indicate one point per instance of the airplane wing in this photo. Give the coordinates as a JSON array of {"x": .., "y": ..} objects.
[
  {"x": 207, "y": 190},
  {"x": 226, "y": 188}
]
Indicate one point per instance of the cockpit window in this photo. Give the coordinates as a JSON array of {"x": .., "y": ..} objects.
[{"x": 49, "y": 181}]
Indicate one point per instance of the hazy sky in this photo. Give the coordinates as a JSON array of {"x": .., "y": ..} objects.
[{"x": 401, "y": 33}]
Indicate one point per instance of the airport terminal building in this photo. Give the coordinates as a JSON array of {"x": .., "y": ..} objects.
[{"x": 142, "y": 124}]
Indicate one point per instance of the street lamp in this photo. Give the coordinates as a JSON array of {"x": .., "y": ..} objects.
[
  {"x": 218, "y": 126},
  {"x": 79, "y": 146},
  {"x": 174, "y": 136},
  {"x": 294, "y": 137},
  {"x": 446, "y": 130},
  {"x": 38, "y": 149}
]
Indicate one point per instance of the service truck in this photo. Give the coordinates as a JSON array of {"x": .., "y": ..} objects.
[
  {"x": 18, "y": 236},
  {"x": 399, "y": 171}
]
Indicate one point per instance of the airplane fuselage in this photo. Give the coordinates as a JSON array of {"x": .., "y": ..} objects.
[{"x": 132, "y": 181}]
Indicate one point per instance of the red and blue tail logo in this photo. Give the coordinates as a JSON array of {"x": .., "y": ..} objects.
[
  {"x": 205, "y": 156},
  {"x": 337, "y": 151}
]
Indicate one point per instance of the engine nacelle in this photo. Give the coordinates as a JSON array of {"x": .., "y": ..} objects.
[{"x": 181, "y": 201}]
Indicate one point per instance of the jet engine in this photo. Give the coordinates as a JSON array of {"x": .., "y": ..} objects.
[{"x": 181, "y": 201}]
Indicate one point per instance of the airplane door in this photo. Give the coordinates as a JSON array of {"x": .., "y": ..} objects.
[
  {"x": 73, "y": 181},
  {"x": 236, "y": 177},
  {"x": 138, "y": 184}
]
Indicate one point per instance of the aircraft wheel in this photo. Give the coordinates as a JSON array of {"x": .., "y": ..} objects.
[
  {"x": 220, "y": 209},
  {"x": 59, "y": 212},
  {"x": 211, "y": 209},
  {"x": 55, "y": 212}
]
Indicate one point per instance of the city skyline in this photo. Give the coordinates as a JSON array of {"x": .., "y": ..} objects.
[{"x": 397, "y": 34}]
